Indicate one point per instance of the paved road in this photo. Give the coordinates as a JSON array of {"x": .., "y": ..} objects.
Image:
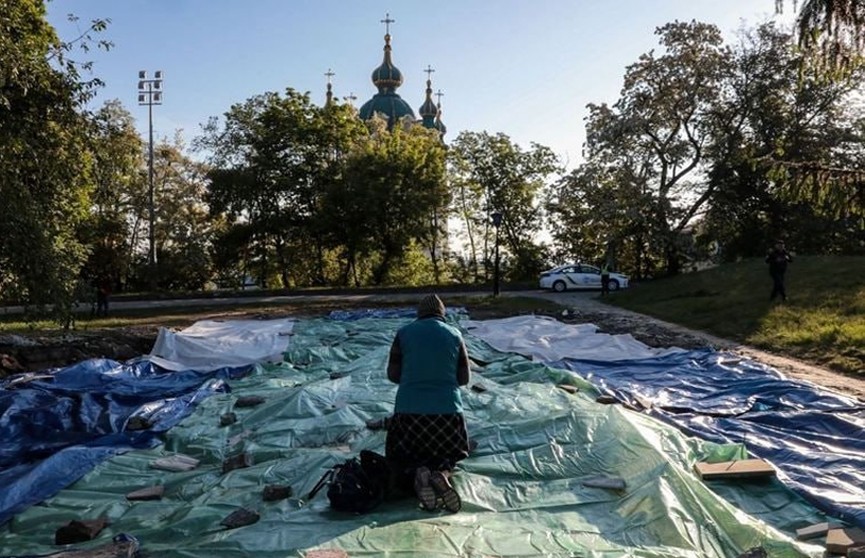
[{"x": 567, "y": 298}]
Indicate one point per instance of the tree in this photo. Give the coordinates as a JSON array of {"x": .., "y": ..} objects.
[
  {"x": 119, "y": 194},
  {"x": 662, "y": 124},
  {"x": 45, "y": 166},
  {"x": 392, "y": 186},
  {"x": 490, "y": 173},
  {"x": 784, "y": 162},
  {"x": 834, "y": 30},
  {"x": 271, "y": 159}
]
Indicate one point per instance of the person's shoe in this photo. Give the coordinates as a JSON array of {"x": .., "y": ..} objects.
[
  {"x": 444, "y": 490},
  {"x": 422, "y": 488}
]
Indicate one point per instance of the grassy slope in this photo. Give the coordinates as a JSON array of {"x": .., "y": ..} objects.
[{"x": 822, "y": 322}]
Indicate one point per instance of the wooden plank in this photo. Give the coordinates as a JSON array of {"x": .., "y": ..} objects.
[
  {"x": 838, "y": 541},
  {"x": 742, "y": 469}
]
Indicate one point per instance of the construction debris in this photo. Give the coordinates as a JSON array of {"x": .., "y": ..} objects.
[{"x": 227, "y": 419}]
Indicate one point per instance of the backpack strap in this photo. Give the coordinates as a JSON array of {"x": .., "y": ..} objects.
[{"x": 325, "y": 479}]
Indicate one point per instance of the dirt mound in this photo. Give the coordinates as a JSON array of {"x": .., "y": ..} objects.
[{"x": 39, "y": 352}]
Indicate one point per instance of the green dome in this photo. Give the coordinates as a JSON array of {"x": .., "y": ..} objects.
[
  {"x": 389, "y": 105},
  {"x": 386, "y": 102},
  {"x": 428, "y": 109}
]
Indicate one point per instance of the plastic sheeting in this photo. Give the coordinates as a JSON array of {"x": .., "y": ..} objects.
[
  {"x": 53, "y": 431},
  {"x": 815, "y": 437},
  {"x": 546, "y": 339},
  {"x": 211, "y": 344},
  {"x": 522, "y": 488}
]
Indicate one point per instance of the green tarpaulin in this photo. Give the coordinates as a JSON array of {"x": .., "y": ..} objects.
[{"x": 522, "y": 487}]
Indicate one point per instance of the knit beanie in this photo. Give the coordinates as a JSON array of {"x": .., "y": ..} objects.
[{"x": 431, "y": 305}]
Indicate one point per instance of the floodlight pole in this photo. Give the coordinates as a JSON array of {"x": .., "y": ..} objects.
[
  {"x": 152, "y": 256},
  {"x": 150, "y": 93}
]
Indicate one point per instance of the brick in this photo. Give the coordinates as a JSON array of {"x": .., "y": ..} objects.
[
  {"x": 137, "y": 423},
  {"x": 857, "y": 552},
  {"x": 569, "y": 388},
  {"x": 611, "y": 483},
  {"x": 176, "y": 463},
  {"x": 239, "y": 461},
  {"x": 814, "y": 531},
  {"x": 839, "y": 541},
  {"x": 606, "y": 399},
  {"x": 149, "y": 493},
  {"x": 240, "y": 518},
  {"x": 248, "y": 401},
  {"x": 743, "y": 468},
  {"x": 275, "y": 492},
  {"x": 77, "y": 531},
  {"x": 227, "y": 419}
]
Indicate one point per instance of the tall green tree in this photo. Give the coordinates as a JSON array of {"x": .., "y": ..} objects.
[
  {"x": 392, "y": 186},
  {"x": 785, "y": 160},
  {"x": 45, "y": 166},
  {"x": 271, "y": 157},
  {"x": 489, "y": 174},
  {"x": 662, "y": 126},
  {"x": 119, "y": 195}
]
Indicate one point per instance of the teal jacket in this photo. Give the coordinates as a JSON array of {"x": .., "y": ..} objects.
[{"x": 428, "y": 360}]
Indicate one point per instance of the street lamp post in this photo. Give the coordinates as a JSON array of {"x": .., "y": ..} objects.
[
  {"x": 150, "y": 93},
  {"x": 497, "y": 221}
]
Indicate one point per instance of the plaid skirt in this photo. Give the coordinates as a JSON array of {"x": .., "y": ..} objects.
[{"x": 434, "y": 441}]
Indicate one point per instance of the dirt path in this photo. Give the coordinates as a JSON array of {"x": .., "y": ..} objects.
[{"x": 657, "y": 333}]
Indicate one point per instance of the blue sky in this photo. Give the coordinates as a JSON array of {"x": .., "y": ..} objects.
[{"x": 525, "y": 68}]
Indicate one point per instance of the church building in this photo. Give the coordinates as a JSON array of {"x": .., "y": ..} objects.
[{"x": 387, "y": 103}]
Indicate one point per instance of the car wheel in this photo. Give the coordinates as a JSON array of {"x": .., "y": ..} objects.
[
  {"x": 559, "y": 286},
  {"x": 613, "y": 285}
]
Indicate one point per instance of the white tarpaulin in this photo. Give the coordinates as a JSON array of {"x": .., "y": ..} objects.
[
  {"x": 546, "y": 339},
  {"x": 211, "y": 344}
]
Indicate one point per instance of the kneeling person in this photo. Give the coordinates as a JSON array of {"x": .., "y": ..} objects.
[{"x": 427, "y": 434}]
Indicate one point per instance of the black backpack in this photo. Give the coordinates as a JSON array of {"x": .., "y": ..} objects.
[{"x": 357, "y": 485}]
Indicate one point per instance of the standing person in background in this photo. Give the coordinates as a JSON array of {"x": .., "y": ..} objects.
[
  {"x": 778, "y": 258},
  {"x": 427, "y": 434},
  {"x": 103, "y": 292},
  {"x": 605, "y": 279}
]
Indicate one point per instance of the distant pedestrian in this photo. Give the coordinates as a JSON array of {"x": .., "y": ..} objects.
[
  {"x": 605, "y": 279},
  {"x": 778, "y": 258},
  {"x": 103, "y": 293}
]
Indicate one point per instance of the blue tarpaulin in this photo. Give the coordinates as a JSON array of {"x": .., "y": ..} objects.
[
  {"x": 814, "y": 437},
  {"x": 54, "y": 430}
]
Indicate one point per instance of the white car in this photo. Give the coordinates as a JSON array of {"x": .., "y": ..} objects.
[{"x": 579, "y": 276}]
